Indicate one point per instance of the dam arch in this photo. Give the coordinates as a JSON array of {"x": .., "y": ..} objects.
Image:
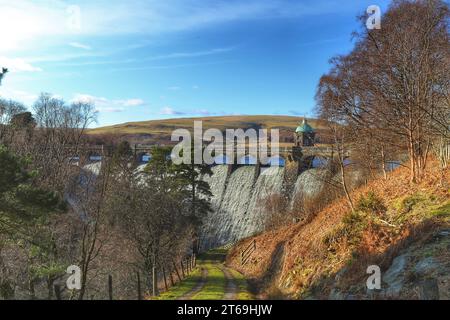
[{"x": 143, "y": 157}]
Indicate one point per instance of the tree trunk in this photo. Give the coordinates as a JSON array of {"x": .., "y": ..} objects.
[
  {"x": 344, "y": 186},
  {"x": 383, "y": 160},
  {"x": 154, "y": 281},
  {"x": 31, "y": 288},
  {"x": 341, "y": 157},
  {"x": 172, "y": 283},
  {"x": 110, "y": 287},
  {"x": 182, "y": 269},
  {"x": 50, "y": 288},
  {"x": 176, "y": 270},
  {"x": 83, "y": 285},
  {"x": 139, "y": 290},
  {"x": 412, "y": 158}
]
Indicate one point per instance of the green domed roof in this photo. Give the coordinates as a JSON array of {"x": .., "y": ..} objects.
[{"x": 304, "y": 127}]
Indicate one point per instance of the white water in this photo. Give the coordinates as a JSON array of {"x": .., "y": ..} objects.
[
  {"x": 238, "y": 209},
  {"x": 308, "y": 185},
  {"x": 217, "y": 183},
  {"x": 224, "y": 226},
  {"x": 270, "y": 182}
]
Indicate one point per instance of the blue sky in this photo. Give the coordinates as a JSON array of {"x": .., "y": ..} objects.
[{"x": 142, "y": 60}]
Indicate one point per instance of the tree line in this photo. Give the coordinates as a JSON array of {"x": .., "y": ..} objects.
[
  {"x": 114, "y": 217},
  {"x": 390, "y": 95}
]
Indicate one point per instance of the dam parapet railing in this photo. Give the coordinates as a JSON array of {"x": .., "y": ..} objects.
[{"x": 142, "y": 153}]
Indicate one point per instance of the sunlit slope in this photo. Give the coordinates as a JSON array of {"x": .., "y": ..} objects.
[{"x": 165, "y": 127}]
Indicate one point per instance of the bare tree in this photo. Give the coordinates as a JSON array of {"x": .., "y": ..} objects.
[
  {"x": 8, "y": 110},
  {"x": 395, "y": 82},
  {"x": 152, "y": 208},
  {"x": 57, "y": 138},
  {"x": 88, "y": 197}
]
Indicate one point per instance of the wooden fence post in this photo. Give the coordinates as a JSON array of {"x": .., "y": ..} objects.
[
  {"x": 247, "y": 252},
  {"x": 139, "y": 286},
  {"x": 110, "y": 288},
  {"x": 182, "y": 269},
  {"x": 57, "y": 291},
  {"x": 176, "y": 270},
  {"x": 165, "y": 279},
  {"x": 154, "y": 281},
  {"x": 172, "y": 283}
]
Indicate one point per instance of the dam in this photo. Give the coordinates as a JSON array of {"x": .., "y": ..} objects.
[
  {"x": 239, "y": 197},
  {"x": 240, "y": 191}
]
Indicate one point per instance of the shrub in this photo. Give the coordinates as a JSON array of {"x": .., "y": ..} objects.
[
  {"x": 371, "y": 204},
  {"x": 406, "y": 204},
  {"x": 350, "y": 229}
]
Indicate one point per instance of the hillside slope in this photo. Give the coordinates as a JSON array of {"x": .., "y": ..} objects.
[
  {"x": 161, "y": 130},
  {"x": 402, "y": 228}
]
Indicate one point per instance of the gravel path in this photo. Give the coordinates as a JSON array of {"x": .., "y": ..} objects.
[
  {"x": 231, "y": 288},
  {"x": 198, "y": 287}
]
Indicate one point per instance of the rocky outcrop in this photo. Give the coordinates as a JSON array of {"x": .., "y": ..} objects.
[{"x": 418, "y": 272}]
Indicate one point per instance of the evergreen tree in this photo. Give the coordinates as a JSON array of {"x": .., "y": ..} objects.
[
  {"x": 22, "y": 204},
  {"x": 25, "y": 212},
  {"x": 200, "y": 193}
]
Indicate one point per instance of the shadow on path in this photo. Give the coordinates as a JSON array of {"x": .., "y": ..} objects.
[{"x": 261, "y": 287}]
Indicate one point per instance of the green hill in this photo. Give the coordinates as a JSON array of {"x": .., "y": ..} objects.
[{"x": 161, "y": 130}]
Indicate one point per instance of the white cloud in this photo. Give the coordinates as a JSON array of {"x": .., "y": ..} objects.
[
  {"x": 191, "y": 54},
  {"x": 173, "y": 88},
  {"x": 133, "y": 102},
  {"x": 110, "y": 110},
  {"x": 27, "y": 98},
  {"x": 203, "y": 112},
  {"x": 169, "y": 111},
  {"x": 81, "y": 97},
  {"x": 67, "y": 57},
  {"x": 24, "y": 21},
  {"x": 17, "y": 65},
  {"x": 103, "y": 104},
  {"x": 79, "y": 45}
]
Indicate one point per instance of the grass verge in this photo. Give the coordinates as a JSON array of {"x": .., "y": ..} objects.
[
  {"x": 182, "y": 287},
  {"x": 243, "y": 293},
  {"x": 214, "y": 288}
]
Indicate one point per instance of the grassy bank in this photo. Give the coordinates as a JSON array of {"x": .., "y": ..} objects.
[
  {"x": 332, "y": 252},
  {"x": 183, "y": 287}
]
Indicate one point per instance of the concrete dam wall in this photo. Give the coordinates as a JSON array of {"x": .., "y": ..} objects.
[
  {"x": 239, "y": 194},
  {"x": 238, "y": 199}
]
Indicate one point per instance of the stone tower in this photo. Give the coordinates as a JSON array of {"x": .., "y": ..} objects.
[{"x": 304, "y": 135}]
